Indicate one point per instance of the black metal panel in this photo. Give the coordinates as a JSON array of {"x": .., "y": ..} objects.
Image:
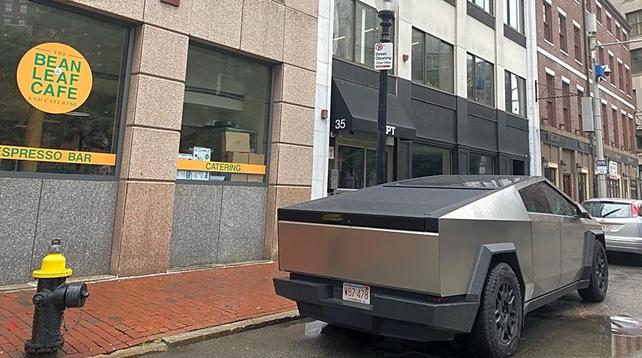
[
  {"x": 452, "y": 2},
  {"x": 512, "y": 134},
  {"x": 361, "y": 75},
  {"x": 481, "y": 15},
  {"x": 482, "y": 111},
  {"x": 482, "y": 133},
  {"x": 434, "y": 122},
  {"x": 433, "y": 96},
  {"x": 512, "y": 34}
]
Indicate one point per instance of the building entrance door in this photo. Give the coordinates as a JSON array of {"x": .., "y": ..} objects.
[{"x": 567, "y": 185}]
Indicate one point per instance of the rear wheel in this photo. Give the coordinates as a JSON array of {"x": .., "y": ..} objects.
[
  {"x": 599, "y": 280},
  {"x": 499, "y": 320}
]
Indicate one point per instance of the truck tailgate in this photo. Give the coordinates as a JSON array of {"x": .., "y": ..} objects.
[{"x": 406, "y": 260}]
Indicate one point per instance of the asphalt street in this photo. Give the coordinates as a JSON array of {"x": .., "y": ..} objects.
[{"x": 567, "y": 328}]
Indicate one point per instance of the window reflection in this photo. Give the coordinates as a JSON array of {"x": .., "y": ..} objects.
[{"x": 94, "y": 126}]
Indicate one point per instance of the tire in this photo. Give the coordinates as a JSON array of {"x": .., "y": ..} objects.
[
  {"x": 599, "y": 280},
  {"x": 498, "y": 325}
]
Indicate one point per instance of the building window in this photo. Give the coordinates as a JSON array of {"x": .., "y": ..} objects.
[
  {"x": 481, "y": 164},
  {"x": 582, "y": 187},
  {"x": 609, "y": 23},
  {"x": 625, "y": 131},
  {"x": 632, "y": 135},
  {"x": 598, "y": 12},
  {"x": 636, "y": 61},
  {"x": 551, "y": 175},
  {"x": 618, "y": 33},
  {"x": 550, "y": 100},
  {"x": 635, "y": 21},
  {"x": 606, "y": 138},
  {"x": 621, "y": 75},
  {"x": 432, "y": 61},
  {"x": 481, "y": 81},
  {"x": 613, "y": 188},
  {"x": 357, "y": 167},
  {"x": 577, "y": 43},
  {"x": 601, "y": 57},
  {"x": 612, "y": 67},
  {"x": 23, "y": 9},
  {"x": 514, "y": 14},
  {"x": 548, "y": 26},
  {"x": 486, "y": 5},
  {"x": 562, "y": 30},
  {"x": 91, "y": 130},
  {"x": 580, "y": 95},
  {"x": 566, "y": 106},
  {"x": 356, "y": 30},
  {"x": 616, "y": 132},
  {"x": 627, "y": 74},
  {"x": 427, "y": 161},
  {"x": 588, "y": 5},
  {"x": 515, "y": 94},
  {"x": 225, "y": 113},
  {"x": 8, "y": 7}
]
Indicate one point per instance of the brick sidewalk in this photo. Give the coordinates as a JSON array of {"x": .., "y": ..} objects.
[{"x": 124, "y": 313}]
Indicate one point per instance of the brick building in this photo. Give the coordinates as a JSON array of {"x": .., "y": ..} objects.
[{"x": 564, "y": 73}]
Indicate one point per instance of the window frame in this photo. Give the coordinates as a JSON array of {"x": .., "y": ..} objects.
[
  {"x": 636, "y": 27},
  {"x": 577, "y": 44},
  {"x": 126, "y": 74},
  {"x": 636, "y": 66},
  {"x": 520, "y": 13},
  {"x": 563, "y": 30},
  {"x": 474, "y": 75},
  {"x": 272, "y": 69},
  {"x": 566, "y": 106},
  {"x": 555, "y": 190},
  {"x": 508, "y": 86},
  {"x": 548, "y": 21},
  {"x": 487, "y": 3},
  {"x": 424, "y": 45}
]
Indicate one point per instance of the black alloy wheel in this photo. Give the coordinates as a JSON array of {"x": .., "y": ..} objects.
[
  {"x": 506, "y": 318},
  {"x": 599, "y": 280}
]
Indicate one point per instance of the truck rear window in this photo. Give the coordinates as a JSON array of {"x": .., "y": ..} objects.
[{"x": 601, "y": 209}]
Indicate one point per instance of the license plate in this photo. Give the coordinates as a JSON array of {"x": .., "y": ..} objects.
[{"x": 356, "y": 293}]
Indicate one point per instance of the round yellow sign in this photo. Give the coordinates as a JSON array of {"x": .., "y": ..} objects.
[{"x": 54, "y": 78}]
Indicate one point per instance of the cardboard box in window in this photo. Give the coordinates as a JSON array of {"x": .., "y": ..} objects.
[
  {"x": 255, "y": 158},
  {"x": 237, "y": 157},
  {"x": 232, "y": 141}
]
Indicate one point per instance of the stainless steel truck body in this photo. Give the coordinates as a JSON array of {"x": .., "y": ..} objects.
[{"x": 421, "y": 251}]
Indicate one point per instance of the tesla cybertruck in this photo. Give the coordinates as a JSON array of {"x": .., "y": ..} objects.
[{"x": 430, "y": 258}]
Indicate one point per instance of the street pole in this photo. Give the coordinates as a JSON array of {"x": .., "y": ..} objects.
[
  {"x": 386, "y": 17},
  {"x": 598, "y": 145}
]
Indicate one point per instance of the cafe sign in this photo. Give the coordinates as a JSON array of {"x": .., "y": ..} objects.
[{"x": 54, "y": 78}]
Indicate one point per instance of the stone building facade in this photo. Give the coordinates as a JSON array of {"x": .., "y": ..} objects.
[{"x": 192, "y": 85}]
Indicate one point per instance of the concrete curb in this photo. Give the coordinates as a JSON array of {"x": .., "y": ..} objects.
[{"x": 165, "y": 343}]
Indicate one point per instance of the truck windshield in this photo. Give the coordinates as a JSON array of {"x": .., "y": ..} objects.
[{"x": 601, "y": 209}]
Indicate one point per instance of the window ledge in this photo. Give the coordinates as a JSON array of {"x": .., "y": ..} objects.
[
  {"x": 564, "y": 52},
  {"x": 422, "y": 84},
  {"x": 548, "y": 42},
  {"x": 579, "y": 62},
  {"x": 514, "y": 35}
]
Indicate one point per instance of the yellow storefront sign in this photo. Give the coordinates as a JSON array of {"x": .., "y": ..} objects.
[
  {"x": 54, "y": 78},
  {"x": 220, "y": 167},
  {"x": 56, "y": 155}
]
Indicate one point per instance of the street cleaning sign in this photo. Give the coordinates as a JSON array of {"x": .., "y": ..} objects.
[
  {"x": 383, "y": 56},
  {"x": 54, "y": 78},
  {"x": 601, "y": 167}
]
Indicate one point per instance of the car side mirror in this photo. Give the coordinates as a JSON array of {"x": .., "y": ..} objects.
[{"x": 584, "y": 215}]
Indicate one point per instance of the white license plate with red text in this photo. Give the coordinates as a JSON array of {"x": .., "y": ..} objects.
[{"x": 356, "y": 293}]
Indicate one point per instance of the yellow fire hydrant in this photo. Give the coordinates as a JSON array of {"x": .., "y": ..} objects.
[{"x": 52, "y": 297}]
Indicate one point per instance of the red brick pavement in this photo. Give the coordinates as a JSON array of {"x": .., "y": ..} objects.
[{"x": 124, "y": 313}]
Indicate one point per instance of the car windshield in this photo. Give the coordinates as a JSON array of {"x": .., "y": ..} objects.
[{"x": 602, "y": 209}]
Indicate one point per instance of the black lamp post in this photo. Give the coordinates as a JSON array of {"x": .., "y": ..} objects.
[{"x": 387, "y": 10}]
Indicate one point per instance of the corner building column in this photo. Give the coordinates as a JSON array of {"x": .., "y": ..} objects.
[{"x": 144, "y": 213}]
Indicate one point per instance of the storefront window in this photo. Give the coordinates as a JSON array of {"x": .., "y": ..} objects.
[
  {"x": 427, "y": 161},
  {"x": 613, "y": 188},
  {"x": 357, "y": 167},
  {"x": 551, "y": 175},
  {"x": 225, "y": 117},
  {"x": 79, "y": 136},
  {"x": 481, "y": 165}
]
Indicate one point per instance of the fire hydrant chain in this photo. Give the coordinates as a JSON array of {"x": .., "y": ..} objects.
[
  {"x": 52, "y": 297},
  {"x": 66, "y": 328}
]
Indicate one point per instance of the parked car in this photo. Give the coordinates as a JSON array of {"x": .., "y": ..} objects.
[
  {"x": 429, "y": 258},
  {"x": 621, "y": 222}
]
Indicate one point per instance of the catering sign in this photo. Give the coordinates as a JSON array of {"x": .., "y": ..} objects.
[
  {"x": 54, "y": 78},
  {"x": 220, "y": 167}
]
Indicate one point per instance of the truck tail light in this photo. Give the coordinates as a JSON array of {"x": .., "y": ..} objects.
[{"x": 635, "y": 210}]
